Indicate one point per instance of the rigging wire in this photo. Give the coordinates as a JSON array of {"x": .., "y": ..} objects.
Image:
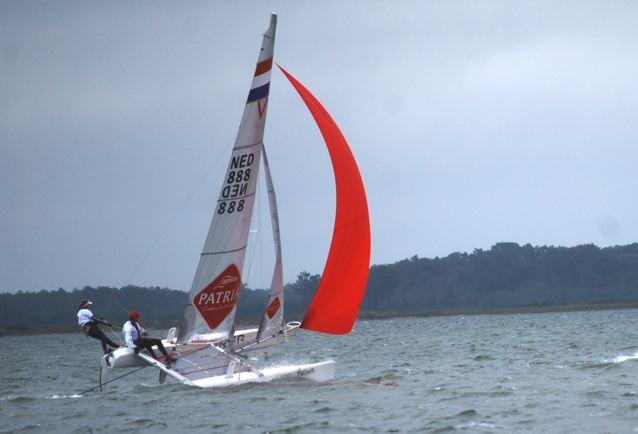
[
  {"x": 110, "y": 381},
  {"x": 170, "y": 223},
  {"x": 125, "y": 309},
  {"x": 261, "y": 243},
  {"x": 111, "y": 327},
  {"x": 114, "y": 301},
  {"x": 254, "y": 239},
  {"x": 176, "y": 214},
  {"x": 259, "y": 240}
]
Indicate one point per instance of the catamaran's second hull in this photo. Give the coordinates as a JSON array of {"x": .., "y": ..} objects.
[{"x": 322, "y": 371}]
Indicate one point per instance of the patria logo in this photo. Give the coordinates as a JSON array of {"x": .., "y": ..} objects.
[
  {"x": 228, "y": 279},
  {"x": 218, "y": 298}
]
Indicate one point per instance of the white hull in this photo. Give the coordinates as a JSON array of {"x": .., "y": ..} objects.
[{"x": 322, "y": 371}]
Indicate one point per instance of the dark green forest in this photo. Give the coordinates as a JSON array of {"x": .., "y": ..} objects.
[{"x": 508, "y": 276}]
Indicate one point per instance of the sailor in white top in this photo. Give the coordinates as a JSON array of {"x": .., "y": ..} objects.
[
  {"x": 132, "y": 331},
  {"x": 136, "y": 338},
  {"x": 84, "y": 315},
  {"x": 89, "y": 323}
]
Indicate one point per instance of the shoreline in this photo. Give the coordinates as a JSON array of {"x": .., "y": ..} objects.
[
  {"x": 516, "y": 310},
  {"x": 46, "y": 330}
]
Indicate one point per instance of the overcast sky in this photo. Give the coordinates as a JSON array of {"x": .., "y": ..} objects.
[{"x": 473, "y": 123}]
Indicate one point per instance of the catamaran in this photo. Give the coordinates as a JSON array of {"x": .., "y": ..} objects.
[{"x": 209, "y": 351}]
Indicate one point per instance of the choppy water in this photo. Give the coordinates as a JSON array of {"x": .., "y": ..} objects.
[{"x": 560, "y": 372}]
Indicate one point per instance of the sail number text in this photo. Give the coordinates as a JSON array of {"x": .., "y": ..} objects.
[{"x": 236, "y": 185}]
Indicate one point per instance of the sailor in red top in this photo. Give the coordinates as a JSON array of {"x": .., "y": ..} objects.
[{"x": 136, "y": 338}]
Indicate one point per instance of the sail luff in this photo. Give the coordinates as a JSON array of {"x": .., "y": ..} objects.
[
  {"x": 273, "y": 316},
  {"x": 210, "y": 311},
  {"x": 335, "y": 305}
]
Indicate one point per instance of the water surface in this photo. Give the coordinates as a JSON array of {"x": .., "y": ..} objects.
[{"x": 557, "y": 372}]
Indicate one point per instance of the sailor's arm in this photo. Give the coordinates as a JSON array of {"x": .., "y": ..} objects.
[{"x": 101, "y": 321}]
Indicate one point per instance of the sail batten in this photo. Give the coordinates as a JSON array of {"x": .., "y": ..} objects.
[{"x": 335, "y": 305}]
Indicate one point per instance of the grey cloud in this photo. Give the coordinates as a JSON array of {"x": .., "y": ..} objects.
[{"x": 473, "y": 123}]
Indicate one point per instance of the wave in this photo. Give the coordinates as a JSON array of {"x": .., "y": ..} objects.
[
  {"x": 75, "y": 395},
  {"x": 19, "y": 399},
  {"x": 622, "y": 358},
  {"x": 610, "y": 363},
  {"x": 388, "y": 380}
]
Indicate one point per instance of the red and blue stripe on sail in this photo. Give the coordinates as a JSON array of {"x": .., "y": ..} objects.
[{"x": 261, "y": 81}]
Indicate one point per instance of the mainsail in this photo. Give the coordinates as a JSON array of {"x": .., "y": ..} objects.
[
  {"x": 210, "y": 311},
  {"x": 273, "y": 318},
  {"x": 336, "y": 303}
]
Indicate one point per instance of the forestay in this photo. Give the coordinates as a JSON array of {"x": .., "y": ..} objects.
[{"x": 211, "y": 307}]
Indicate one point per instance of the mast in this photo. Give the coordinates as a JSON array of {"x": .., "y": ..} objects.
[{"x": 210, "y": 311}]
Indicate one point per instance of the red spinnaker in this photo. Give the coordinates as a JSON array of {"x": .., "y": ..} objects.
[{"x": 336, "y": 303}]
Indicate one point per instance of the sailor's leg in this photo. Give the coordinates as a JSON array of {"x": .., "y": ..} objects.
[
  {"x": 146, "y": 344},
  {"x": 95, "y": 332},
  {"x": 149, "y": 348},
  {"x": 110, "y": 342},
  {"x": 169, "y": 359},
  {"x": 160, "y": 345}
]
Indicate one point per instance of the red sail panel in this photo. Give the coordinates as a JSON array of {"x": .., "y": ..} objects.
[{"x": 336, "y": 303}]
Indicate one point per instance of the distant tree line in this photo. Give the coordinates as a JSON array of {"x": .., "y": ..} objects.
[{"x": 506, "y": 276}]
